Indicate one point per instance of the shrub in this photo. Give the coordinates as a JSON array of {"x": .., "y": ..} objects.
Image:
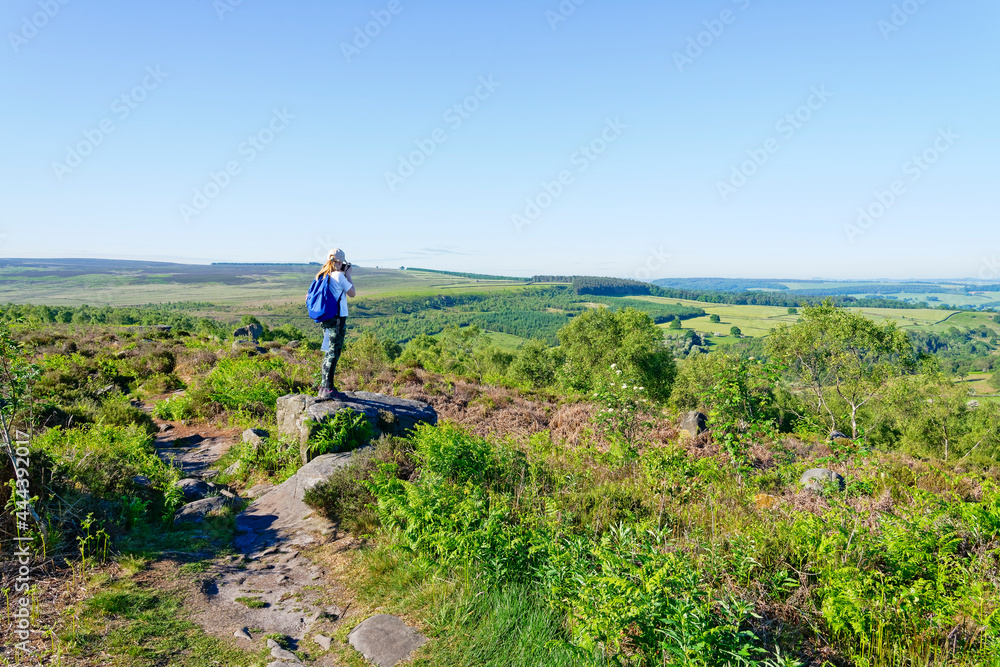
[
  {"x": 117, "y": 410},
  {"x": 625, "y": 412},
  {"x": 161, "y": 384},
  {"x": 103, "y": 459},
  {"x": 273, "y": 460},
  {"x": 454, "y": 453},
  {"x": 252, "y": 384},
  {"x": 535, "y": 364},
  {"x": 345, "y": 431},
  {"x": 422, "y": 352},
  {"x": 175, "y": 408},
  {"x": 628, "y": 338},
  {"x": 367, "y": 355}
]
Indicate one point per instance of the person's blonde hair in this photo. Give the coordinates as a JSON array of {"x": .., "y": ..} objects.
[{"x": 328, "y": 268}]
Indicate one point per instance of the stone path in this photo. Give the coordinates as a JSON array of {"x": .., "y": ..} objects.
[
  {"x": 192, "y": 454},
  {"x": 269, "y": 587}
]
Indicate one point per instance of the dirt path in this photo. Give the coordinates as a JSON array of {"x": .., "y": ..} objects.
[{"x": 243, "y": 597}]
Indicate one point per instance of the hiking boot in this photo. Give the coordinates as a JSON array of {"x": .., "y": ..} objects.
[{"x": 325, "y": 394}]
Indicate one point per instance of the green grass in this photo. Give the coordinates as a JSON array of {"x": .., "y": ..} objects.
[
  {"x": 469, "y": 627},
  {"x": 251, "y": 602},
  {"x": 129, "y": 624}
]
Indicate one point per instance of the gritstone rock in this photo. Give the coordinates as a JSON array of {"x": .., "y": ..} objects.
[
  {"x": 815, "y": 478},
  {"x": 195, "y": 512},
  {"x": 298, "y": 414},
  {"x": 694, "y": 423}
]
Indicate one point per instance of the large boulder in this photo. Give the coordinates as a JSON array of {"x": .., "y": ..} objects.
[
  {"x": 815, "y": 479},
  {"x": 252, "y": 331},
  {"x": 197, "y": 511},
  {"x": 254, "y": 436},
  {"x": 694, "y": 423},
  {"x": 195, "y": 489},
  {"x": 299, "y": 415},
  {"x": 280, "y": 515}
]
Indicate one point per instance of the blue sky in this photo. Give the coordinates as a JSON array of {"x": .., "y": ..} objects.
[{"x": 643, "y": 139}]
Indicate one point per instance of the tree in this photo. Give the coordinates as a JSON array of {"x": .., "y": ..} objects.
[
  {"x": 714, "y": 319},
  {"x": 835, "y": 350},
  {"x": 793, "y": 311},
  {"x": 534, "y": 365},
  {"x": 628, "y": 338},
  {"x": 937, "y": 418},
  {"x": 735, "y": 331},
  {"x": 675, "y": 323}
]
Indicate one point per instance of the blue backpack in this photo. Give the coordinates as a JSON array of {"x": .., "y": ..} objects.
[{"x": 320, "y": 303}]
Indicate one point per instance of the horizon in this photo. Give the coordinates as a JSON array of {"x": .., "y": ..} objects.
[
  {"x": 645, "y": 141},
  {"x": 181, "y": 262}
]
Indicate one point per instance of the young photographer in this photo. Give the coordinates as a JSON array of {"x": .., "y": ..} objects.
[{"x": 341, "y": 286}]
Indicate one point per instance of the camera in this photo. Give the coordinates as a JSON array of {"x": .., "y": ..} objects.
[{"x": 345, "y": 266}]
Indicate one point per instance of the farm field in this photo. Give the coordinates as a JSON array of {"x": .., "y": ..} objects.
[
  {"x": 759, "y": 320},
  {"x": 119, "y": 283},
  {"x": 979, "y": 382},
  {"x": 949, "y": 293}
]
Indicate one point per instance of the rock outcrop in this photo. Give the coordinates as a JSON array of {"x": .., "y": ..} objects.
[
  {"x": 251, "y": 331},
  {"x": 298, "y": 414},
  {"x": 280, "y": 515}
]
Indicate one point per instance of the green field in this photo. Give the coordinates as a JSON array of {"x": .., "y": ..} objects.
[
  {"x": 948, "y": 293},
  {"x": 759, "y": 320},
  {"x": 118, "y": 283}
]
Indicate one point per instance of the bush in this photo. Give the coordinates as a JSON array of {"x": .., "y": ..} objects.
[
  {"x": 117, "y": 410},
  {"x": 274, "y": 460},
  {"x": 454, "y": 453},
  {"x": 368, "y": 356},
  {"x": 252, "y": 384},
  {"x": 175, "y": 408},
  {"x": 696, "y": 374},
  {"x": 345, "y": 431},
  {"x": 422, "y": 352},
  {"x": 627, "y": 338},
  {"x": 535, "y": 364},
  {"x": 103, "y": 459}
]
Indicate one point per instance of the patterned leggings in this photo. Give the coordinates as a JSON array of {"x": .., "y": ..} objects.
[{"x": 337, "y": 329}]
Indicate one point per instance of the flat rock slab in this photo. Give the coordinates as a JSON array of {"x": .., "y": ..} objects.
[
  {"x": 385, "y": 640},
  {"x": 192, "y": 456},
  {"x": 288, "y": 584},
  {"x": 387, "y": 415},
  {"x": 280, "y": 516}
]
